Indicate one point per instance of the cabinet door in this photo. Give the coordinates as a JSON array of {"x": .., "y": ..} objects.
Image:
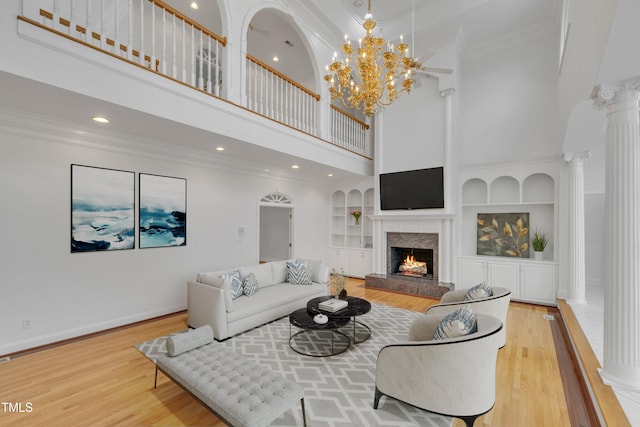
[
  {"x": 360, "y": 264},
  {"x": 471, "y": 272},
  {"x": 504, "y": 275},
  {"x": 539, "y": 283},
  {"x": 337, "y": 259}
]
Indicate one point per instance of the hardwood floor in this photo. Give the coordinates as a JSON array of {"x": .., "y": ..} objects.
[{"x": 105, "y": 381}]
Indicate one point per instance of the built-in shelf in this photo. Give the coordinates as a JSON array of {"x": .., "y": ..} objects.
[
  {"x": 530, "y": 189},
  {"x": 351, "y": 244}
]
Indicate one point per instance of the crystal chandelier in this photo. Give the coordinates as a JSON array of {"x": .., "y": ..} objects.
[{"x": 363, "y": 79}]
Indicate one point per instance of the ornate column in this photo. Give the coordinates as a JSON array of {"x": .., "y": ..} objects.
[
  {"x": 577, "y": 289},
  {"x": 621, "y": 358}
]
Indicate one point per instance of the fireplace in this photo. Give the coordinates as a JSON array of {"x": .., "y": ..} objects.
[
  {"x": 412, "y": 265},
  {"x": 423, "y": 247},
  {"x": 413, "y": 262}
]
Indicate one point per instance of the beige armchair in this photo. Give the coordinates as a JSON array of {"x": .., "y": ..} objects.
[
  {"x": 453, "y": 377},
  {"x": 496, "y": 305}
]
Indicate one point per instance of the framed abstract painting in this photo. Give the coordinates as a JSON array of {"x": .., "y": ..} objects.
[
  {"x": 163, "y": 211},
  {"x": 102, "y": 209},
  {"x": 503, "y": 234}
]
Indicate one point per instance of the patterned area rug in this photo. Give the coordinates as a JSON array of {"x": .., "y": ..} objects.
[{"x": 338, "y": 389}]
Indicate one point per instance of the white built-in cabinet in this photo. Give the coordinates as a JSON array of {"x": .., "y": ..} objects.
[
  {"x": 530, "y": 188},
  {"x": 351, "y": 243}
]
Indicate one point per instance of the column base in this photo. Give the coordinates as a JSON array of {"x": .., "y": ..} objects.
[{"x": 617, "y": 382}]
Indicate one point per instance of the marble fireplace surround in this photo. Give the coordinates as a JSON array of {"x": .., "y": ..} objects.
[
  {"x": 431, "y": 231},
  {"x": 414, "y": 241}
]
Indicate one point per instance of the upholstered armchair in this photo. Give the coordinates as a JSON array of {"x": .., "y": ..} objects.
[
  {"x": 496, "y": 305},
  {"x": 453, "y": 377}
]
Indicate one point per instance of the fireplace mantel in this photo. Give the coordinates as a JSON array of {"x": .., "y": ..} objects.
[
  {"x": 412, "y": 217},
  {"x": 440, "y": 223}
]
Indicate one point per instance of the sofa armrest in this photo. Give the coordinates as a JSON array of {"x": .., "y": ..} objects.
[{"x": 206, "y": 306}]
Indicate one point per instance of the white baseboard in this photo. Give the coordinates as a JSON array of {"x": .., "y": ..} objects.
[{"x": 34, "y": 342}]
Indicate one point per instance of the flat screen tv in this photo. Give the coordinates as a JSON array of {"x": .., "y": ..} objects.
[{"x": 415, "y": 189}]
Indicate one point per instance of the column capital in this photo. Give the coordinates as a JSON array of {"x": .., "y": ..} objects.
[
  {"x": 603, "y": 94},
  {"x": 579, "y": 157},
  {"x": 447, "y": 92}
]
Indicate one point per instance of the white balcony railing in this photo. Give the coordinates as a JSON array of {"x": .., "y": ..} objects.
[
  {"x": 148, "y": 33},
  {"x": 153, "y": 35}
]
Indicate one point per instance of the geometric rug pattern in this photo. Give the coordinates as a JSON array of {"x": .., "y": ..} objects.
[{"x": 338, "y": 390}]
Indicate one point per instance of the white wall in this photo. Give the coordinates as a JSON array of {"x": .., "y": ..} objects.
[
  {"x": 508, "y": 104},
  {"x": 66, "y": 295},
  {"x": 594, "y": 224},
  {"x": 413, "y": 130}
]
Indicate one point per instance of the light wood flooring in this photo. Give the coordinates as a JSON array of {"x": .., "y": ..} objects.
[{"x": 104, "y": 381}]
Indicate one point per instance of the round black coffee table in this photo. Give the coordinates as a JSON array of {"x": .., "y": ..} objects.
[
  {"x": 357, "y": 307},
  {"x": 315, "y": 339}
]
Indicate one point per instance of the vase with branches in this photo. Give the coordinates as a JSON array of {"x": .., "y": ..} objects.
[{"x": 338, "y": 281}]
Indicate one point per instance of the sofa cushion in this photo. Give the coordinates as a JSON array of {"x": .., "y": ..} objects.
[
  {"x": 271, "y": 297},
  {"x": 185, "y": 341},
  {"x": 261, "y": 271},
  {"x": 215, "y": 279},
  {"x": 459, "y": 323},
  {"x": 250, "y": 285},
  {"x": 279, "y": 271},
  {"x": 316, "y": 268},
  {"x": 298, "y": 273},
  {"x": 479, "y": 291},
  {"x": 235, "y": 283}
]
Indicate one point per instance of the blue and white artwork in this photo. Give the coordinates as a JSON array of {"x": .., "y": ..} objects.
[
  {"x": 163, "y": 211},
  {"x": 102, "y": 209}
]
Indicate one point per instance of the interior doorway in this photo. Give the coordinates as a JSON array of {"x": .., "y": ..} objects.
[{"x": 276, "y": 225}]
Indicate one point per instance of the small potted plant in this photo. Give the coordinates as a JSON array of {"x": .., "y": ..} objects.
[
  {"x": 356, "y": 215},
  {"x": 540, "y": 241}
]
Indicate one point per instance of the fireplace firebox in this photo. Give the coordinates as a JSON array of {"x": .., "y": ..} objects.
[{"x": 413, "y": 262}]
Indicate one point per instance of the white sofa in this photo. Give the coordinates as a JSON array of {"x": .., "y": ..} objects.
[{"x": 209, "y": 299}]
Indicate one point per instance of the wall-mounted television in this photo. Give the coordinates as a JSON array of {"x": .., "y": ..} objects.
[{"x": 415, "y": 189}]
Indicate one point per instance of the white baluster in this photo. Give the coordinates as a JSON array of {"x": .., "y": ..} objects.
[
  {"x": 116, "y": 28},
  {"x": 216, "y": 74},
  {"x": 184, "y": 58},
  {"x": 164, "y": 41},
  {"x": 194, "y": 62},
  {"x": 130, "y": 35},
  {"x": 153, "y": 37},
  {"x": 72, "y": 18},
  {"x": 87, "y": 34},
  {"x": 141, "y": 58},
  {"x": 210, "y": 62},
  {"x": 174, "y": 71}
]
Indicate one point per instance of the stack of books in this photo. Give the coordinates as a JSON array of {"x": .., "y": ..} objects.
[{"x": 332, "y": 305}]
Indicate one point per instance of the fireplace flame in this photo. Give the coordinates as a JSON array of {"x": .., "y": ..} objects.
[{"x": 412, "y": 267}]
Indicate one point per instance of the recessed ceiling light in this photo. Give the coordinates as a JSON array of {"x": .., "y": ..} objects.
[
  {"x": 295, "y": 166},
  {"x": 100, "y": 119},
  {"x": 330, "y": 174},
  {"x": 220, "y": 148},
  {"x": 275, "y": 59},
  {"x": 194, "y": 5},
  {"x": 267, "y": 170}
]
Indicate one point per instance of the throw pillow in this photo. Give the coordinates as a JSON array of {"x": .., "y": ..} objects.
[
  {"x": 235, "y": 283},
  {"x": 479, "y": 291},
  {"x": 457, "y": 324},
  {"x": 250, "y": 285},
  {"x": 298, "y": 274}
]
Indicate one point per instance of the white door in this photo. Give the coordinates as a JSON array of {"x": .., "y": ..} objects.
[{"x": 275, "y": 233}]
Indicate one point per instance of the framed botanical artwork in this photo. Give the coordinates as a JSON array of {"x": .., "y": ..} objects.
[
  {"x": 102, "y": 209},
  {"x": 503, "y": 234},
  {"x": 163, "y": 211}
]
